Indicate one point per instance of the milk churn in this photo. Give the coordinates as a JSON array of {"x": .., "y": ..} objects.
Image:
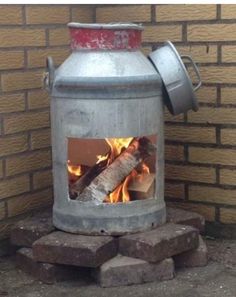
[{"x": 107, "y": 115}]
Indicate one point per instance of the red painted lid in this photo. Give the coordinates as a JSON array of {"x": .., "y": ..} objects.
[{"x": 116, "y": 36}]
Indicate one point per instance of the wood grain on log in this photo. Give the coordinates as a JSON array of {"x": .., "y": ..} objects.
[{"x": 86, "y": 179}]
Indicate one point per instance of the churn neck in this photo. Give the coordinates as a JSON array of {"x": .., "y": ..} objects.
[{"x": 112, "y": 36}]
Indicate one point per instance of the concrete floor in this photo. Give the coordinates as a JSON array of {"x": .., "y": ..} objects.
[{"x": 218, "y": 279}]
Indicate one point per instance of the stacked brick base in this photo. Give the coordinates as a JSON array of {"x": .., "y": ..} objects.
[{"x": 51, "y": 255}]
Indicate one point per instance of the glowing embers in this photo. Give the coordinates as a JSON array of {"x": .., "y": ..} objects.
[{"x": 111, "y": 170}]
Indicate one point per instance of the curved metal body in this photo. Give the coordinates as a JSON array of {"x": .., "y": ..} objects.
[{"x": 102, "y": 94}]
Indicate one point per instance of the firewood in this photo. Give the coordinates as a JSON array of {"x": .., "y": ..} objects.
[
  {"x": 86, "y": 179},
  {"x": 142, "y": 187},
  {"x": 118, "y": 170}
]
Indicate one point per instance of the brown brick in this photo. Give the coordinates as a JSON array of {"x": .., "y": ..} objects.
[
  {"x": 208, "y": 212},
  {"x": 211, "y": 32},
  {"x": 72, "y": 249},
  {"x": 213, "y": 115},
  {"x": 170, "y": 118},
  {"x": 82, "y": 14},
  {"x": 28, "y": 202},
  {"x": 228, "y": 95},
  {"x": 45, "y": 272},
  {"x": 14, "y": 186},
  {"x": 27, "y": 231},
  {"x": 200, "y": 53},
  {"x": 158, "y": 244},
  {"x": 40, "y": 138},
  {"x": 28, "y": 162},
  {"x": 218, "y": 74},
  {"x": 228, "y": 53},
  {"x": 212, "y": 194},
  {"x": 228, "y": 136},
  {"x": 190, "y": 173},
  {"x": 59, "y": 36},
  {"x": 162, "y": 33},
  {"x": 50, "y": 14},
  {"x": 42, "y": 179},
  {"x": 182, "y": 12},
  {"x": 26, "y": 121},
  {"x": 174, "y": 190},
  {"x": 13, "y": 144},
  {"x": 38, "y": 99},
  {"x": 227, "y": 215},
  {"x": 146, "y": 50},
  {"x": 11, "y": 60},
  {"x": 2, "y": 210},
  {"x": 207, "y": 94},
  {"x": 212, "y": 156},
  {"x": 37, "y": 58},
  {"x": 11, "y": 15},
  {"x": 22, "y": 80},
  {"x": 124, "y": 271},
  {"x": 120, "y": 13},
  {"x": 228, "y": 176},
  {"x": 22, "y": 37},
  {"x": 183, "y": 217},
  {"x": 190, "y": 134},
  {"x": 174, "y": 152},
  {"x": 228, "y": 11},
  {"x": 194, "y": 258},
  {"x": 12, "y": 102},
  {"x": 1, "y": 169}
]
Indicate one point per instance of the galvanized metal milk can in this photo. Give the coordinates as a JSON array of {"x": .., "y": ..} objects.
[{"x": 105, "y": 89}]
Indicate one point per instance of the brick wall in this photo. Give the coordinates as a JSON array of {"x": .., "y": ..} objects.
[
  {"x": 200, "y": 147},
  {"x": 28, "y": 34}
]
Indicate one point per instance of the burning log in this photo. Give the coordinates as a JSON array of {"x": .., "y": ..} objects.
[
  {"x": 86, "y": 178},
  {"x": 105, "y": 183}
]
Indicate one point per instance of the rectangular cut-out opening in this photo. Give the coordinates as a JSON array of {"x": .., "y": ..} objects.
[{"x": 112, "y": 170}]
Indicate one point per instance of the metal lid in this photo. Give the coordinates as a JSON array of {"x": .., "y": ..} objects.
[{"x": 179, "y": 93}]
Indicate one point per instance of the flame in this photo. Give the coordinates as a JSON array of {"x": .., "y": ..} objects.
[
  {"x": 101, "y": 158},
  {"x": 121, "y": 193},
  {"x": 74, "y": 169},
  {"x": 145, "y": 168},
  {"x": 116, "y": 146}
]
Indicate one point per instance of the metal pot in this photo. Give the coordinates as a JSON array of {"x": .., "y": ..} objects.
[{"x": 179, "y": 93}]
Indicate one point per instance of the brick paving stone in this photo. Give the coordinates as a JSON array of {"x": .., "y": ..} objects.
[
  {"x": 194, "y": 258},
  {"x": 27, "y": 231},
  {"x": 189, "y": 218},
  {"x": 163, "y": 242},
  {"x": 123, "y": 271},
  {"x": 72, "y": 249},
  {"x": 45, "y": 272}
]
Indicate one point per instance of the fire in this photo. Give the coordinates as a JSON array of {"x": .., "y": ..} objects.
[
  {"x": 121, "y": 193},
  {"x": 74, "y": 169},
  {"x": 145, "y": 169},
  {"x": 116, "y": 146},
  {"x": 101, "y": 158}
]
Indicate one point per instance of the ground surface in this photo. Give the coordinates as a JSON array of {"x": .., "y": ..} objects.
[{"x": 218, "y": 279}]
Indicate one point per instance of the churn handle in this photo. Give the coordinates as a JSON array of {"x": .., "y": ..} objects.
[
  {"x": 49, "y": 74},
  {"x": 195, "y": 69}
]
